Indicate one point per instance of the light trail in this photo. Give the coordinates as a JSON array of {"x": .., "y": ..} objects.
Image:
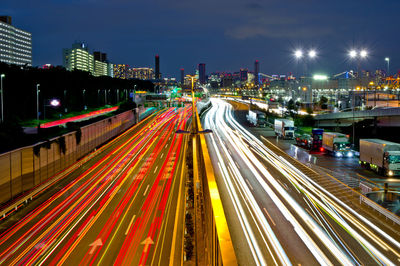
[
  {"x": 96, "y": 216},
  {"x": 330, "y": 229}
]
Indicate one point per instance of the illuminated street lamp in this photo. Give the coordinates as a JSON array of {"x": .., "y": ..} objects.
[
  {"x": 387, "y": 59},
  {"x": 353, "y": 54},
  {"x": 2, "y": 101},
  {"x": 298, "y": 54},
  {"x": 37, "y": 102},
  {"x": 363, "y": 53},
  {"x": 312, "y": 53}
]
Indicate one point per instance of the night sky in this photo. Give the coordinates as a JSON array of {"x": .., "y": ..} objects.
[{"x": 226, "y": 35}]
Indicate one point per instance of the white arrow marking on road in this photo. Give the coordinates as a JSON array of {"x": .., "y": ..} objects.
[
  {"x": 95, "y": 244},
  {"x": 147, "y": 242}
]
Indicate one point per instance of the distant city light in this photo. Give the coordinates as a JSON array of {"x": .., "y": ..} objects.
[
  {"x": 320, "y": 77},
  {"x": 312, "y": 53},
  {"x": 298, "y": 54}
]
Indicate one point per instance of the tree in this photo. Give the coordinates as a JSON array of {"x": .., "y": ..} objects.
[{"x": 323, "y": 102}]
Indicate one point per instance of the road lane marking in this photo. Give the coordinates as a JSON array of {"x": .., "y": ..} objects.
[
  {"x": 237, "y": 165},
  {"x": 144, "y": 194},
  {"x": 130, "y": 224},
  {"x": 248, "y": 183},
  {"x": 265, "y": 210},
  {"x": 80, "y": 232},
  {"x": 162, "y": 155},
  {"x": 155, "y": 170}
]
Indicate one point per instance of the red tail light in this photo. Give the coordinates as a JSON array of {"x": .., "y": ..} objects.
[{"x": 321, "y": 149}]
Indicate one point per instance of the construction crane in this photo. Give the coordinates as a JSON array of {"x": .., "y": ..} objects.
[
  {"x": 345, "y": 72},
  {"x": 392, "y": 82}
]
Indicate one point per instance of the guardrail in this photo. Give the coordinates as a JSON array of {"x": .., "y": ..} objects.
[{"x": 217, "y": 237}]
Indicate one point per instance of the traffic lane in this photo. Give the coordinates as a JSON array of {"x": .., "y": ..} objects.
[
  {"x": 241, "y": 247},
  {"x": 281, "y": 169},
  {"x": 60, "y": 185},
  {"x": 362, "y": 229},
  {"x": 119, "y": 234},
  {"x": 326, "y": 222},
  {"x": 294, "y": 247}
]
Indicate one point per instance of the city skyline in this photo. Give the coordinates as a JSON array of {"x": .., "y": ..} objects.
[{"x": 269, "y": 33}]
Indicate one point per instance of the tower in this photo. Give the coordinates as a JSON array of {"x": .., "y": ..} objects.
[
  {"x": 157, "y": 68},
  {"x": 256, "y": 71},
  {"x": 202, "y": 73}
]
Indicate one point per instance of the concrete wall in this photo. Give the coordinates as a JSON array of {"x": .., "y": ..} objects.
[{"x": 27, "y": 167}]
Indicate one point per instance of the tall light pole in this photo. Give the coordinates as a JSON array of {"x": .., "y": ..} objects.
[
  {"x": 387, "y": 59},
  {"x": 37, "y": 102},
  {"x": 2, "y": 101}
]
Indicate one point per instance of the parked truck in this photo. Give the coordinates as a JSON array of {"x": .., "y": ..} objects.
[
  {"x": 311, "y": 142},
  {"x": 381, "y": 156},
  {"x": 284, "y": 128},
  {"x": 337, "y": 144},
  {"x": 256, "y": 118}
]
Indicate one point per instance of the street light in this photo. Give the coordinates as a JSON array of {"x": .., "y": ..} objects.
[
  {"x": 298, "y": 54},
  {"x": 353, "y": 54},
  {"x": 387, "y": 59},
  {"x": 2, "y": 102},
  {"x": 312, "y": 53},
  {"x": 363, "y": 53},
  {"x": 37, "y": 102}
]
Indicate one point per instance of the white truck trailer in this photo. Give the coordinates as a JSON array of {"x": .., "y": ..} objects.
[
  {"x": 256, "y": 118},
  {"x": 381, "y": 156},
  {"x": 337, "y": 144},
  {"x": 284, "y": 128}
]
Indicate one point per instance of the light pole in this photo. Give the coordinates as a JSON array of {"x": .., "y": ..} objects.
[
  {"x": 311, "y": 54},
  {"x": 387, "y": 59},
  {"x": 84, "y": 100},
  {"x": 37, "y": 102},
  {"x": 2, "y": 101}
]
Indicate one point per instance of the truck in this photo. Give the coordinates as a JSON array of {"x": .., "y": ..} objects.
[
  {"x": 337, "y": 144},
  {"x": 256, "y": 118},
  {"x": 311, "y": 142},
  {"x": 284, "y": 128},
  {"x": 381, "y": 156}
]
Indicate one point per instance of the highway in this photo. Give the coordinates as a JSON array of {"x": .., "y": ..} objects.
[
  {"x": 124, "y": 207},
  {"x": 279, "y": 215}
]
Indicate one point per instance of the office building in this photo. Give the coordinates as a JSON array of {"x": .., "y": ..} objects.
[
  {"x": 182, "y": 76},
  {"x": 121, "y": 71},
  {"x": 202, "y": 73},
  {"x": 15, "y": 44},
  {"x": 157, "y": 68},
  {"x": 101, "y": 66},
  {"x": 78, "y": 57},
  {"x": 243, "y": 74},
  {"x": 143, "y": 73}
]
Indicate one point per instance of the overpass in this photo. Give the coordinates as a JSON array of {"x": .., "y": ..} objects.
[{"x": 381, "y": 117}]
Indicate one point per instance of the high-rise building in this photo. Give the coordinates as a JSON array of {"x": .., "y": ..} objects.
[
  {"x": 143, "y": 73},
  {"x": 157, "y": 68},
  {"x": 182, "y": 76},
  {"x": 101, "y": 66},
  {"x": 202, "y": 73},
  {"x": 243, "y": 74},
  {"x": 15, "y": 44},
  {"x": 78, "y": 57},
  {"x": 256, "y": 71},
  {"x": 121, "y": 71}
]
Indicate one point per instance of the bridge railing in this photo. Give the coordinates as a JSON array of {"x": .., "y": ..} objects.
[{"x": 217, "y": 236}]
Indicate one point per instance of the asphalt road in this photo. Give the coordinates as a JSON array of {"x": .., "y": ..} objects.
[
  {"x": 347, "y": 170},
  {"x": 277, "y": 214},
  {"x": 123, "y": 207}
]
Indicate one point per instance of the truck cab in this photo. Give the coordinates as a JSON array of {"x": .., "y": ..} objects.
[{"x": 391, "y": 162}]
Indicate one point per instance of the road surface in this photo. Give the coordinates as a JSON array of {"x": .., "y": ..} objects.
[
  {"x": 121, "y": 208},
  {"x": 277, "y": 214}
]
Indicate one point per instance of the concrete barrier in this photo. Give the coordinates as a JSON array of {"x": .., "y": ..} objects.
[{"x": 26, "y": 168}]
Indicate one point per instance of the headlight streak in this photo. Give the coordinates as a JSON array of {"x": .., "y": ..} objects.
[{"x": 313, "y": 186}]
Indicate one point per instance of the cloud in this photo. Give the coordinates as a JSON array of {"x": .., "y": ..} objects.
[{"x": 270, "y": 31}]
